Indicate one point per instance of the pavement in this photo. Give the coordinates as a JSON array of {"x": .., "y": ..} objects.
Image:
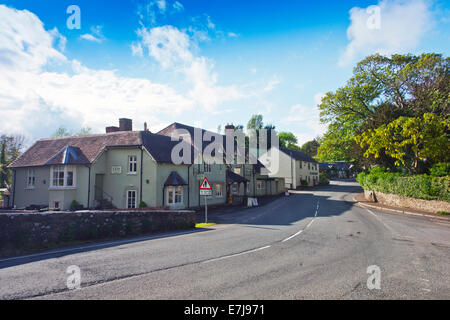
[
  {"x": 360, "y": 198},
  {"x": 314, "y": 244}
]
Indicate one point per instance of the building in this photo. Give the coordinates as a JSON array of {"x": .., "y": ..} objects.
[
  {"x": 339, "y": 170},
  {"x": 293, "y": 166},
  {"x": 121, "y": 169}
]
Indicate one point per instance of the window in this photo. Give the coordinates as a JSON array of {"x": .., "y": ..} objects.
[
  {"x": 301, "y": 164},
  {"x": 219, "y": 190},
  {"x": 207, "y": 167},
  {"x": 235, "y": 188},
  {"x": 131, "y": 199},
  {"x": 174, "y": 195},
  {"x": 132, "y": 164},
  {"x": 31, "y": 179},
  {"x": 237, "y": 170},
  {"x": 309, "y": 166},
  {"x": 62, "y": 176},
  {"x": 260, "y": 185}
]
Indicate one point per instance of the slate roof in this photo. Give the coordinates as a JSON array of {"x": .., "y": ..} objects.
[
  {"x": 86, "y": 149},
  {"x": 297, "y": 155},
  {"x": 174, "y": 179},
  {"x": 234, "y": 177}
]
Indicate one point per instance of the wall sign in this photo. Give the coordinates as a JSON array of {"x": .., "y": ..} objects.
[{"x": 116, "y": 169}]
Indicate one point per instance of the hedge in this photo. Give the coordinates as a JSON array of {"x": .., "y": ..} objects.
[{"x": 419, "y": 186}]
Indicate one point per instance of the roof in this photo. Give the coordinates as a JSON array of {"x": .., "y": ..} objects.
[
  {"x": 234, "y": 177},
  {"x": 297, "y": 155},
  {"x": 342, "y": 166},
  {"x": 177, "y": 126},
  {"x": 86, "y": 149},
  {"x": 174, "y": 179}
]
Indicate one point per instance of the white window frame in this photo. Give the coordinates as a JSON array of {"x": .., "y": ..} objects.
[
  {"x": 132, "y": 164},
  {"x": 128, "y": 198},
  {"x": 65, "y": 170},
  {"x": 207, "y": 168},
  {"x": 31, "y": 179},
  {"x": 174, "y": 190}
]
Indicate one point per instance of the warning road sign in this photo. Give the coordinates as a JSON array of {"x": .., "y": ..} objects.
[{"x": 205, "y": 185}]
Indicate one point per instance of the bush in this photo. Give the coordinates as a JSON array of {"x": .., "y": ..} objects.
[
  {"x": 142, "y": 204},
  {"x": 304, "y": 183},
  {"x": 440, "y": 169},
  {"x": 323, "y": 179},
  {"x": 74, "y": 206},
  {"x": 419, "y": 186}
]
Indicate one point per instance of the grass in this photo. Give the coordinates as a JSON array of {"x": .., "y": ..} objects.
[
  {"x": 443, "y": 213},
  {"x": 204, "y": 225}
]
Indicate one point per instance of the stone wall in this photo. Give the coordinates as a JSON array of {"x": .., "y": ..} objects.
[
  {"x": 29, "y": 231},
  {"x": 432, "y": 206}
]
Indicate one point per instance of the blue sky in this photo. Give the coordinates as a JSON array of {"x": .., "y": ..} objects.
[{"x": 199, "y": 62}]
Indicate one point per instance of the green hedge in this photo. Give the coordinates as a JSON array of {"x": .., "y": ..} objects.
[{"x": 420, "y": 186}]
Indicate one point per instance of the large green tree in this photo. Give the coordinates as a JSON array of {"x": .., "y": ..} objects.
[
  {"x": 10, "y": 148},
  {"x": 381, "y": 90}
]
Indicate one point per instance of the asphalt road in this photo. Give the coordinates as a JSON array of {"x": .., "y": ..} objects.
[{"x": 312, "y": 245}]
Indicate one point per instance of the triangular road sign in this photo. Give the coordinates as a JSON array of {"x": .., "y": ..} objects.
[{"x": 205, "y": 185}]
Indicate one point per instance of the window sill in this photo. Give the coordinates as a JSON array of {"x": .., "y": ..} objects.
[
  {"x": 61, "y": 188},
  {"x": 131, "y": 173}
]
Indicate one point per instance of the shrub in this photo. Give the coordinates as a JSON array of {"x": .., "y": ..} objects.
[
  {"x": 74, "y": 206},
  {"x": 323, "y": 179},
  {"x": 440, "y": 169},
  {"x": 142, "y": 204},
  {"x": 419, "y": 186},
  {"x": 304, "y": 183}
]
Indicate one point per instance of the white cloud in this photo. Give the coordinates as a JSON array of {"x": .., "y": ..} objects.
[
  {"x": 400, "y": 27},
  {"x": 35, "y": 101},
  {"x": 90, "y": 37},
  {"x": 96, "y": 34},
  {"x": 175, "y": 51}
]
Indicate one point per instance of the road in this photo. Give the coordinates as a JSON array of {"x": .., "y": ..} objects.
[{"x": 315, "y": 244}]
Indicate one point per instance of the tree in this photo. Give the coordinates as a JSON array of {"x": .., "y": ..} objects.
[
  {"x": 410, "y": 140},
  {"x": 381, "y": 90},
  {"x": 64, "y": 132},
  {"x": 287, "y": 139},
  {"x": 10, "y": 148},
  {"x": 311, "y": 147},
  {"x": 255, "y": 122}
]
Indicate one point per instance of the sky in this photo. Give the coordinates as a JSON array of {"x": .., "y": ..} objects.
[{"x": 203, "y": 63}]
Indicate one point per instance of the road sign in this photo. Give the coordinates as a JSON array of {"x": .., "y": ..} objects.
[
  {"x": 205, "y": 192},
  {"x": 205, "y": 185}
]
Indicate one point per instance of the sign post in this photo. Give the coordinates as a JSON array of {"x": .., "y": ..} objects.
[{"x": 205, "y": 190}]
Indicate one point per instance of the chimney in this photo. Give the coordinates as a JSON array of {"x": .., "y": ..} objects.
[
  {"x": 112, "y": 129},
  {"x": 145, "y": 127},
  {"x": 125, "y": 124},
  {"x": 229, "y": 129}
]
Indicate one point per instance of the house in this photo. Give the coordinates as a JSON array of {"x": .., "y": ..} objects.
[
  {"x": 241, "y": 180},
  {"x": 293, "y": 165},
  {"x": 120, "y": 168},
  {"x": 340, "y": 170}
]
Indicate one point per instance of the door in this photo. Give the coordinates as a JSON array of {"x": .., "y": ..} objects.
[{"x": 98, "y": 187}]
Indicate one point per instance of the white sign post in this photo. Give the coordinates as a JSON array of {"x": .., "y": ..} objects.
[{"x": 205, "y": 190}]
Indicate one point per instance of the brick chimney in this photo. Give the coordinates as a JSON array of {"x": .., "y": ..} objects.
[
  {"x": 112, "y": 129},
  {"x": 125, "y": 124},
  {"x": 229, "y": 129}
]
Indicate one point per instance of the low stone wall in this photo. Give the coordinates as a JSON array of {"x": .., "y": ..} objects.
[
  {"x": 432, "y": 206},
  {"x": 29, "y": 231}
]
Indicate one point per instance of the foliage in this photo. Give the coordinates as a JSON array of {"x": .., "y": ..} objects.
[
  {"x": 418, "y": 186},
  {"x": 10, "y": 148},
  {"x": 311, "y": 147},
  {"x": 323, "y": 179},
  {"x": 287, "y": 139},
  {"x": 74, "y": 206},
  {"x": 62, "y": 132},
  {"x": 304, "y": 183},
  {"x": 440, "y": 169},
  {"x": 409, "y": 140},
  {"x": 381, "y": 90},
  {"x": 142, "y": 204}
]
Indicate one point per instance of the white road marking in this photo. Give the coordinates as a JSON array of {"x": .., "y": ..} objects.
[
  {"x": 236, "y": 254},
  {"x": 307, "y": 226}
]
